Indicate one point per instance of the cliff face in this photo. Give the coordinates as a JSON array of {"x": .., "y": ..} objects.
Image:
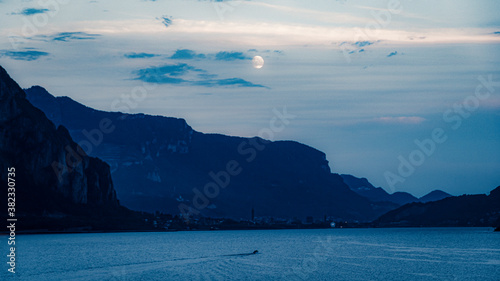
[
  {"x": 162, "y": 164},
  {"x": 52, "y": 171}
]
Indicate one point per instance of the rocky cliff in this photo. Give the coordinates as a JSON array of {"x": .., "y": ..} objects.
[{"x": 53, "y": 174}]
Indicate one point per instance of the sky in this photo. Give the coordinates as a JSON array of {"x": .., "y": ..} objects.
[{"x": 404, "y": 93}]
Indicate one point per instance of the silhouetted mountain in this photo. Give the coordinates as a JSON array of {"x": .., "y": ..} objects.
[
  {"x": 377, "y": 194},
  {"x": 161, "y": 163},
  {"x": 465, "y": 210},
  {"x": 435, "y": 195},
  {"x": 54, "y": 179},
  {"x": 402, "y": 197}
]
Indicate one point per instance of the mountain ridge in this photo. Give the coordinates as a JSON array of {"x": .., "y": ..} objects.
[
  {"x": 377, "y": 194},
  {"x": 161, "y": 163},
  {"x": 466, "y": 210}
]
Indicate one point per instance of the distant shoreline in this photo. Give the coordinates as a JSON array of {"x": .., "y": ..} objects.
[{"x": 41, "y": 232}]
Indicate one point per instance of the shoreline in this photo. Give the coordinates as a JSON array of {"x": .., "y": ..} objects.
[{"x": 42, "y": 232}]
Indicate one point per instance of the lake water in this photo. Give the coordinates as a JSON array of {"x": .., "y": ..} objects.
[{"x": 327, "y": 254}]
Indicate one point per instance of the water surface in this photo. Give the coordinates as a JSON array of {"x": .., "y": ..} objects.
[{"x": 326, "y": 254}]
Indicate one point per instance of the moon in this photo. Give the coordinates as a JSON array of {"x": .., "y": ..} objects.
[{"x": 258, "y": 62}]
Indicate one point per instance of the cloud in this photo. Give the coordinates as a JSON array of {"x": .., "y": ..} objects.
[
  {"x": 167, "y": 74},
  {"x": 134, "y": 55},
  {"x": 169, "y": 70},
  {"x": 362, "y": 44},
  {"x": 166, "y": 20},
  {"x": 28, "y": 55},
  {"x": 207, "y": 76},
  {"x": 356, "y": 51},
  {"x": 238, "y": 82},
  {"x": 231, "y": 56},
  {"x": 357, "y": 47},
  {"x": 400, "y": 120},
  {"x": 392, "y": 54},
  {"x": 279, "y": 52},
  {"x": 496, "y": 32},
  {"x": 187, "y": 54},
  {"x": 31, "y": 11},
  {"x": 281, "y": 34},
  {"x": 65, "y": 36},
  {"x": 184, "y": 74}
]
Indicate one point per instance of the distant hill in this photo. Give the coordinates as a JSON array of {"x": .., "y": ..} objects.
[
  {"x": 377, "y": 194},
  {"x": 162, "y": 164},
  {"x": 435, "y": 195},
  {"x": 465, "y": 210}
]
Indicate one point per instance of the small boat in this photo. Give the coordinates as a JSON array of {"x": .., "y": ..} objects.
[{"x": 247, "y": 254}]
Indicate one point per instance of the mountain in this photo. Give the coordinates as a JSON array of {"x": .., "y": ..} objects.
[
  {"x": 162, "y": 164},
  {"x": 376, "y": 194},
  {"x": 435, "y": 195},
  {"x": 465, "y": 210},
  {"x": 53, "y": 178}
]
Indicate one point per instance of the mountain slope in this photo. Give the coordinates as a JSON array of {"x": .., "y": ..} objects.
[
  {"x": 376, "y": 194},
  {"x": 161, "y": 163},
  {"x": 435, "y": 195},
  {"x": 53, "y": 177},
  {"x": 465, "y": 210}
]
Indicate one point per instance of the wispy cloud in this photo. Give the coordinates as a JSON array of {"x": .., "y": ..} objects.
[
  {"x": 31, "y": 11},
  {"x": 362, "y": 44},
  {"x": 166, "y": 20},
  {"x": 231, "y": 56},
  {"x": 184, "y": 74},
  {"x": 274, "y": 34},
  {"x": 134, "y": 55},
  {"x": 399, "y": 119},
  {"x": 329, "y": 17},
  {"x": 392, "y": 54},
  {"x": 238, "y": 82},
  {"x": 65, "y": 36},
  {"x": 356, "y": 47},
  {"x": 27, "y": 55},
  {"x": 187, "y": 54}
]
